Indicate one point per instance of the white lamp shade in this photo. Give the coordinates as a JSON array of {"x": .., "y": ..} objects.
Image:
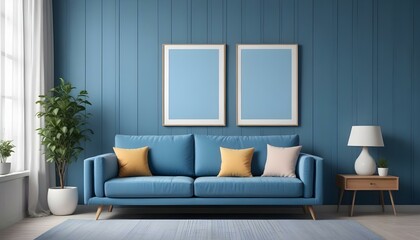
[{"x": 366, "y": 136}]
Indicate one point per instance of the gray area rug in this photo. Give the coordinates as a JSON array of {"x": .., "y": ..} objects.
[{"x": 209, "y": 229}]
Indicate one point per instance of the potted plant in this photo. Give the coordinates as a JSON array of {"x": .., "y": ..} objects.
[
  {"x": 6, "y": 150},
  {"x": 65, "y": 118},
  {"x": 383, "y": 167}
]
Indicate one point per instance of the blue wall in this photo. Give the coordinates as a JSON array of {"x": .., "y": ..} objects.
[{"x": 359, "y": 63}]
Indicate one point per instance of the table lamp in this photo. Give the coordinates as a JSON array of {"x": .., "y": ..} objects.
[{"x": 365, "y": 136}]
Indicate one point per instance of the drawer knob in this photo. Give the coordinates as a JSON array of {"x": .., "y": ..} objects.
[{"x": 372, "y": 183}]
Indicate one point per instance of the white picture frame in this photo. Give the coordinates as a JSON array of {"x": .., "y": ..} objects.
[
  {"x": 267, "y": 84},
  {"x": 194, "y": 85}
]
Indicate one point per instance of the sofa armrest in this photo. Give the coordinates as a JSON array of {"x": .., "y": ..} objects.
[
  {"x": 97, "y": 170},
  {"x": 88, "y": 188},
  {"x": 105, "y": 167},
  {"x": 319, "y": 180},
  {"x": 309, "y": 170}
]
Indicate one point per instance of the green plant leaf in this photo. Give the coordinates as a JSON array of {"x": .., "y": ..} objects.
[
  {"x": 64, "y": 128},
  {"x": 6, "y": 149}
]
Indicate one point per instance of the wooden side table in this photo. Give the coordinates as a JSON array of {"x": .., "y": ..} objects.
[{"x": 367, "y": 183}]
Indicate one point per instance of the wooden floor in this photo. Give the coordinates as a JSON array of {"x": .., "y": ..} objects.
[{"x": 404, "y": 226}]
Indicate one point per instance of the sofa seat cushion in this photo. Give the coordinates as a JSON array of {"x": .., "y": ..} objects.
[
  {"x": 248, "y": 187},
  {"x": 149, "y": 187}
]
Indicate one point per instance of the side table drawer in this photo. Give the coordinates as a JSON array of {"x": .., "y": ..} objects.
[{"x": 372, "y": 184}]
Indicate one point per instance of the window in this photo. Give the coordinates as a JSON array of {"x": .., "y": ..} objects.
[
  {"x": 6, "y": 65},
  {"x": 11, "y": 70}
]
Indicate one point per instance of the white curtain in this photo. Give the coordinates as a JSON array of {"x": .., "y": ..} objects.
[
  {"x": 39, "y": 71},
  {"x": 29, "y": 73}
]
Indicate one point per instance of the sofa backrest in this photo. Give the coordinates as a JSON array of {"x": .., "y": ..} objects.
[
  {"x": 207, "y": 150},
  {"x": 168, "y": 155}
]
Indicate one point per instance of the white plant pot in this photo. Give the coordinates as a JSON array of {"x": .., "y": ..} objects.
[
  {"x": 62, "y": 201},
  {"x": 383, "y": 172},
  {"x": 5, "y": 168}
]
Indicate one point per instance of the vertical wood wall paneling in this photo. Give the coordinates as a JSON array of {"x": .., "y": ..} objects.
[
  {"x": 345, "y": 159},
  {"x": 165, "y": 37},
  {"x": 375, "y": 66},
  {"x": 217, "y": 17},
  {"x": 288, "y": 36},
  {"x": 357, "y": 65},
  {"x": 76, "y": 48},
  {"x": 216, "y": 29},
  {"x": 251, "y": 33},
  {"x": 287, "y": 22},
  {"x": 199, "y": 35},
  {"x": 305, "y": 41},
  {"x": 117, "y": 67},
  {"x": 270, "y": 35},
  {"x": 416, "y": 104},
  {"x": 375, "y": 152},
  {"x": 147, "y": 67},
  {"x": 403, "y": 48},
  {"x": 386, "y": 41},
  {"x": 94, "y": 74},
  {"x": 181, "y": 35},
  {"x": 76, "y": 54},
  {"x": 233, "y": 37},
  {"x": 199, "y": 14},
  {"x": 354, "y": 151},
  {"x": 334, "y": 98},
  {"x": 271, "y": 22},
  {"x": 354, "y": 63},
  {"x": 325, "y": 91},
  {"x": 109, "y": 74},
  {"x": 128, "y": 67},
  {"x": 295, "y": 41},
  {"x": 363, "y": 59},
  {"x": 60, "y": 36}
]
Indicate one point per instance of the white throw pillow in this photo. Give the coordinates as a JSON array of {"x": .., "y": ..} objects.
[{"x": 281, "y": 161}]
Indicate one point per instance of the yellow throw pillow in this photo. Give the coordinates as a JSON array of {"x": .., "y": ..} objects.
[
  {"x": 236, "y": 162},
  {"x": 133, "y": 162}
]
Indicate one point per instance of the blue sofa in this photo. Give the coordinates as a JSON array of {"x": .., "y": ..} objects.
[{"x": 185, "y": 167}]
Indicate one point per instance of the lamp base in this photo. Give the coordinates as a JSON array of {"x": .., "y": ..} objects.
[{"x": 365, "y": 165}]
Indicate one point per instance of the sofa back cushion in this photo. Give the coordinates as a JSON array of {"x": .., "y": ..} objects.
[
  {"x": 168, "y": 155},
  {"x": 207, "y": 150}
]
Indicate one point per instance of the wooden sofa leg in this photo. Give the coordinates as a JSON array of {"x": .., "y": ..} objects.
[
  {"x": 98, "y": 212},
  {"x": 110, "y": 208},
  {"x": 312, "y": 212}
]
